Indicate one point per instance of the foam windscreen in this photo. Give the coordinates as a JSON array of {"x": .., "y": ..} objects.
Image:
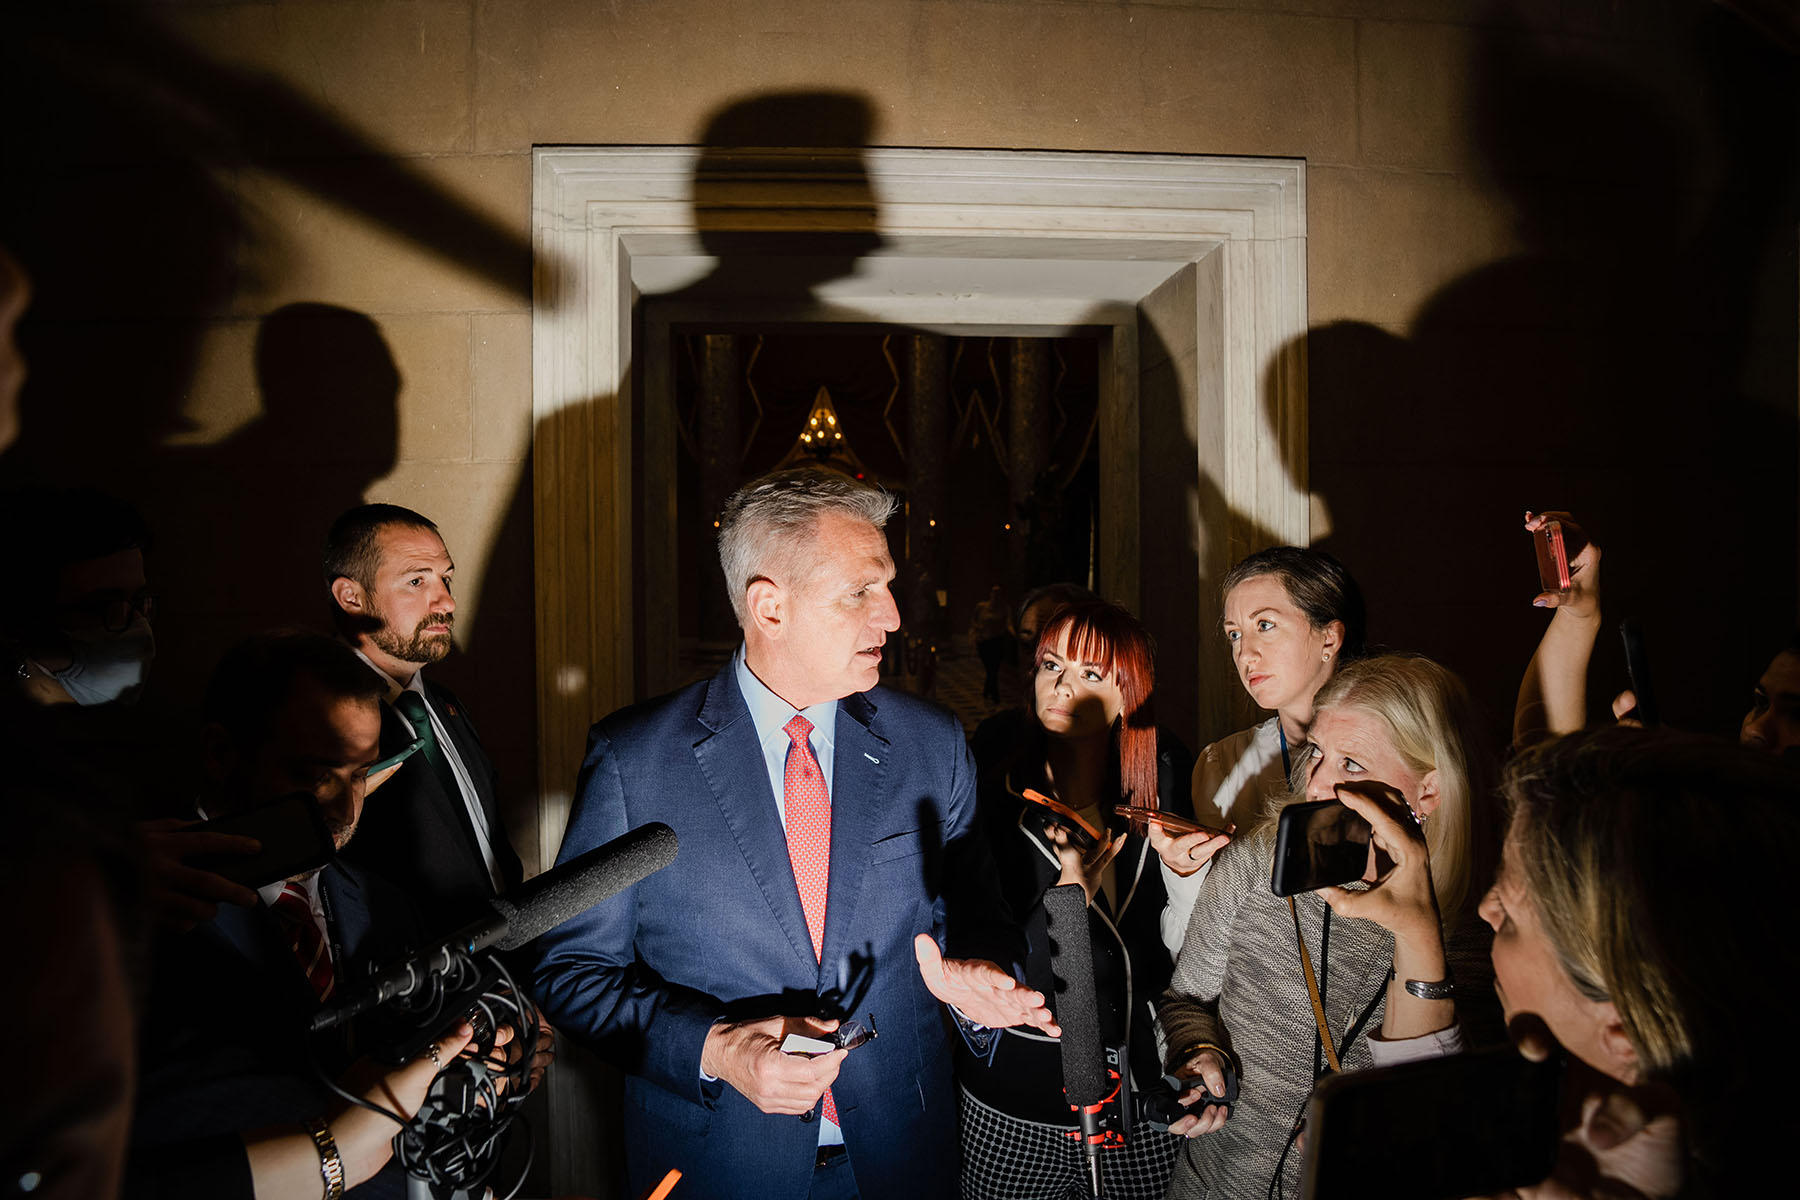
[{"x": 1076, "y": 1002}]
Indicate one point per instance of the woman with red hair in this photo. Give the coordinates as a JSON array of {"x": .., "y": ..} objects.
[{"x": 1091, "y": 744}]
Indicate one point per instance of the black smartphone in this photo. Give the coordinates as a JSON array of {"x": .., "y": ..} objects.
[
  {"x": 294, "y": 840},
  {"x": 1466, "y": 1125},
  {"x": 1637, "y": 666},
  {"x": 1318, "y": 843}
]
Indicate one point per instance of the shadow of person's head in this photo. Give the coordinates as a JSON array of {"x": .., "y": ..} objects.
[
  {"x": 330, "y": 389},
  {"x": 803, "y": 151}
]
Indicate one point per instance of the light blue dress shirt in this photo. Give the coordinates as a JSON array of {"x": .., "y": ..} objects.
[{"x": 770, "y": 714}]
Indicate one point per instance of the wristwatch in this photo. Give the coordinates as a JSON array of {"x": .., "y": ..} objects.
[{"x": 331, "y": 1166}]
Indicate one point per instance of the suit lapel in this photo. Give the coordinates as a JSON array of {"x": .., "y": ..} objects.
[
  {"x": 731, "y": 760},
  {"x": 468, "y": 748},
  {"x": 425, "y": 782},
  {"x": 859, "y": 783}
]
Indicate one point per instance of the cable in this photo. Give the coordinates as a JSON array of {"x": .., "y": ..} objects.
[{"x": 455, "y": 1139}]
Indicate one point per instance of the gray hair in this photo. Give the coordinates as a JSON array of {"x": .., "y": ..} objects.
[{"x": 767, "y": 524}]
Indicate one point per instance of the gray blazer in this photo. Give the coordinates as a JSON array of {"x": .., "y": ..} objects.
[{"x": 1238, "y": 984}]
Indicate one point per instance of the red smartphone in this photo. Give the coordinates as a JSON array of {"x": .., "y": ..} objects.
[
  {"x": 1173, "y": 825},
  {"x": 1056, "y": 812},
  {"x": 1552, "y": 558}
]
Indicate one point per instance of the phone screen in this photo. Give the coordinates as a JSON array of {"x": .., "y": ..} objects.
[
  {"x": 1467, "y": 1125},
  {"x": 1318, "y": 843},
  {"x": 293, "y": 836}
]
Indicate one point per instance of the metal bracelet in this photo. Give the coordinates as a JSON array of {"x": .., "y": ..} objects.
[
  {"x": 331, "y": 1166},
  {"x": 1441, "y": 989}
]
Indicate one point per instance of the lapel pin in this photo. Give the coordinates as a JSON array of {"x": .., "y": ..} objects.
[{"x": 871, "y": 758}]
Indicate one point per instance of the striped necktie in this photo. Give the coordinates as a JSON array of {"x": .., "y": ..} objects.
[{"x": 305, "y": 938}]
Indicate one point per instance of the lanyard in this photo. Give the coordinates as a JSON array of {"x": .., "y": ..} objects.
[{"x": 1287, "y": 768}]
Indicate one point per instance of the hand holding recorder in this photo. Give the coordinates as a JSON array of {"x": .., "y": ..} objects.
[{"x": 748, "y": 1056}]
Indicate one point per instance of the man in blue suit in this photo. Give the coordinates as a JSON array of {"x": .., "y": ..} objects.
[{"x": 829, "y": 851}]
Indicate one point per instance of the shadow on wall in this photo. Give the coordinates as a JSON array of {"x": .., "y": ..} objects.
[
  {"x": 257, "y": 504},
  {"x": 122, "y": 144},
  {"x": 1634, "y": 366}
]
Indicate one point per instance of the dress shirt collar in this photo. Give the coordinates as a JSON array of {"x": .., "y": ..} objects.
[
  {"x": 309, "y": 887},
  {"x": 770, "y": 713},
  {"x": 394, "y": 686}
]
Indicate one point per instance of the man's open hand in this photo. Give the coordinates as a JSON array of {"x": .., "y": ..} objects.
[{"x": 980, "y": 990}]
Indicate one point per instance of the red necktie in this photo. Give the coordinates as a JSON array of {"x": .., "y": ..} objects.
[
  {"x": 808, "y": 811},
  {"x": 305, "y": 938}
]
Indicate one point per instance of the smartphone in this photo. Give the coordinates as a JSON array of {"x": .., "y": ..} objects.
[
  {"x": 1469, "y": 1124},
  {"x": 393, "y": 761},
  {"x": 1637, "y": 665},
  {"x": 294, "y": 840},
  {"x": 1318, "y": 843},
  {"x": 1081, "y": 835},
  {"x": 1173, "y": 825},
  {"x": 1552, "y": 558}
]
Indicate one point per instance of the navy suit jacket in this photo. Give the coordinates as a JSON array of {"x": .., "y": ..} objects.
[
  {"x": 720, "y": 935},
  {"x": 419, "y": 836}
]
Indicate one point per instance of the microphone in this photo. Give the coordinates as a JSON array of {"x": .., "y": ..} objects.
[
  {"x": 531, "y": 909},
  {"x": 1086, "y": 1080},
  {"x": 567, "y": 891}
]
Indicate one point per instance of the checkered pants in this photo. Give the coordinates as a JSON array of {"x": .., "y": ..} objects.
[{"x": 1005, "y": 1158}]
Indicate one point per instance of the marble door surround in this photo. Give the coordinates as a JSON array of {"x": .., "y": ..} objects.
[{"x": 1191, "y": 269}]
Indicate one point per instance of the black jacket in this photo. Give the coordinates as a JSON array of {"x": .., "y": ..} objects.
[
  {"x": 1024, "y": 1076},
  {"x": 419, "y": 837}
]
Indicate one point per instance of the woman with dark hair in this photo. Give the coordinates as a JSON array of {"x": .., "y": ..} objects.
[
  {"x": 1292, "y": 616},
  {"x": 1091, "y": 743}
]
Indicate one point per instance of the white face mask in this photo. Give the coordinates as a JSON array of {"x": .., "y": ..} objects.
[{"x": 108, "y": 666}]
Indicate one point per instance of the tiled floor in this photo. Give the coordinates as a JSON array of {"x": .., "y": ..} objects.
[{"x": 958, "y": 688}]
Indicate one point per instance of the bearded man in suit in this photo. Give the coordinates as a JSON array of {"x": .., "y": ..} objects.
[{"x": 437, "y": 831}]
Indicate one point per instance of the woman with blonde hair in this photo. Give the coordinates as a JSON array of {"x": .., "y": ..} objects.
[
  {"x": 1399, "y": 961},
  {"x": 1639, "y": 870}
]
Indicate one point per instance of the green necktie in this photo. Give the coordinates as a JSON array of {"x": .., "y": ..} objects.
[{"x": 412, "y": 707}]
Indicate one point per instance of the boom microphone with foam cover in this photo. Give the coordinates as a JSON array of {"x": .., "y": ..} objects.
[
  {"x": 571, "y": 889},
  {"x": 1085, "y": 1077},
  {"x": 532, "y": 909}
]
